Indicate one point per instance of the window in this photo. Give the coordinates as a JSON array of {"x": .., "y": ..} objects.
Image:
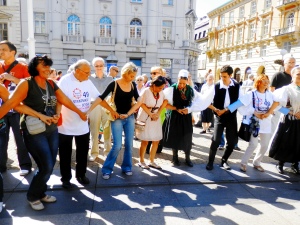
[
  {"x": 167, "y": 2},
  {"x": 253, "y": 8},
  {"x": 2, "y": 2},
  {"x": 265, "y": 30},
  {"x": 167, "y": 65},
  {"x": 250, "y": 53},
  {"x": 290, "y": 20},
  {"x": 204, "y": 32},
  {"x": 105, "y": 27},
  {"x": 137, "y": 1},
  {"x": 287, "y": 46},
  {"x": 242, "y": 12},
  {"x": 222, "y": 19},
  {"x": 167, "y": 30},
  {"x": 228, "y": 56},
  {"x": 3, "y": 31},
  {"x": 39, "y": 23},
  {"x": 221, "y": 38},
  {"x": 268, "y": 4},
  {"x": 252, "y": 30},
  {"x": 231, "y": 16},
  {"x": 239, "y": 55},
  {"x": 135, "y": 29},
  {"x": 199, "y": 36},
  {"x": 263, "y": 51},
  {"x": 239, "y": 35},
  {"x": 73, "y": 25},
  {"x": 229, "y": 38}
]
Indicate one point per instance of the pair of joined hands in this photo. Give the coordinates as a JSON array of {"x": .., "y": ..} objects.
[{"x": 182, "y": 111}]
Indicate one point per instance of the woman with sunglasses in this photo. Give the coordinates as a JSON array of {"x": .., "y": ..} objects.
[
  {"x": 152, "y": 105},
  {"x": 177, "y": 127},
  {"x": 124, "y": 118}
]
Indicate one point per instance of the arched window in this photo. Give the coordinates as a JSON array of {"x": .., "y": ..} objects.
[
  {"x": 105, "y": 27},
  {"x": 135, "y": 29},
  {"x": 290, "y": 20},
  {"x": 73, "y": 25}
]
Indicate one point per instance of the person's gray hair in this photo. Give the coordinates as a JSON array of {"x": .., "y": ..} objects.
[
  {"x": 251, "y": 75},
  {"x": 210, "y": 76},
  {"x": 287, "y": 59},
  {"x": 97, "y": 59},
  {"x": 81, "y": 62},
  {"x": 71, "y": 68},
  {"x": 295, "y": 70}
]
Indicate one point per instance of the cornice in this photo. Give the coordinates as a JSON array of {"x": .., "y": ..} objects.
[{"x": 226, "y": 7}]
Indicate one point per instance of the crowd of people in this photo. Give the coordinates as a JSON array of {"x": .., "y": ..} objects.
[{"x": 46, "y": 111}]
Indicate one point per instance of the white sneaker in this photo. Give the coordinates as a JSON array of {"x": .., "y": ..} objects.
[
  {"x": 92, "y": 158},
  {"x": 24, "y": 172},
  {"x": 1, "y": 206}
]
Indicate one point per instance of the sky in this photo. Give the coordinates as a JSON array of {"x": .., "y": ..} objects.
[{"x": 205, "y": 6}]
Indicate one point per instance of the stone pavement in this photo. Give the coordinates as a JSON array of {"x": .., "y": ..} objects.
[{"x": 174, "y": 195}]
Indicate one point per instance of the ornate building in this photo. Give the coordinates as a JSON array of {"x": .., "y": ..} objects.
[
  {"x": 146, "y": 32},
  {"x": 248, "y": 34}
]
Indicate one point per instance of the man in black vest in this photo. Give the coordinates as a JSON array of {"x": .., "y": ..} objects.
[{"x": 226, "y": 92}]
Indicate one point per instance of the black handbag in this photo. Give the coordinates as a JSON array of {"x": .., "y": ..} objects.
[{"x": 244, "y": 132}]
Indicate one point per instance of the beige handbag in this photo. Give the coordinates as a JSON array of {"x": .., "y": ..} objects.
[
  {"x": 111, "y": 103},
  {"x": 35, "y": 125}
]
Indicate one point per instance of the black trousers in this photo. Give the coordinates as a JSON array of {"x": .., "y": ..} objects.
[
  {"x": 1, "y": 188},
  {"x": 65, "y": 155},
  {"x": 231, "y": 137}
]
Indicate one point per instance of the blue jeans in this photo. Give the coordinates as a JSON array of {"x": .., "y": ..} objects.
[
  {"x": 117, "y": 128},
  {"x": 12, "y": 121},
  {"x": 43, "y": 148}
]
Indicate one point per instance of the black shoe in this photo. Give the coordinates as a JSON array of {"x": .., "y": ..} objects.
[
  {"x": 237, "y": 148},
  {"x": 221, "y": 148},
  {"x": 176, "y": 162},
  {"x": 208, "y": 130},
  {"x": 203, "y": 132},
  {"x": 67, "y": 184},
  {"x": 295, "y": 169},
  {"x": 83, "y": 180},
  {"x": 147, "y": 152},
  {"x": 189, "y": 163},
  {"x": 225, "y": 165},
  {"x": 279, "y": 168},
  {"x": 209, "y": 166}
]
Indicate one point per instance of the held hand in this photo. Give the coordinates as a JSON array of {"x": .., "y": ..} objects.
[
  {"x": 266, "y": 115},
  {"x": 179, "y": 111},
  {"x": 123, "y": 116},
  {"x": 258, "y": 115},
  {"x": 2, "y": 78},
  {"x": 154, "y": 116},
  {"x": 46, "y": 119},
  {"x": 55, "y": 118},
  {"x": 220, "y": 112},
  {"x": 7, "y": 76},
  {"x": 115, "y": 115},
  {"x": 185, "y": 111},
  {"x": 297, "y": 115},
  {"x": 83, "y": 116}
]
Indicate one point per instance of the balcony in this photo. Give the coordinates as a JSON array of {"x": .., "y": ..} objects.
[
  {"x": 136, "y": 42},
  {"x": 266, "y": 11},
  {"x": 189, "y": 44},
  {"x": 74, "y": 39},
  {"x": 285, "y": 30},
  {"x": 105, "y": 41},
  {"x": 283, "y": 3}
]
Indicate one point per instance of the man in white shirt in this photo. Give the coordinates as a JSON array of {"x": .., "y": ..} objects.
[{"x": 81, "y": 91}]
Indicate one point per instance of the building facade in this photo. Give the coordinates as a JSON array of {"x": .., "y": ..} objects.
[
  {"x": 146, "y": 32},
  {"x": 251, "y": 34},
  {"x": 201, "y": 39}
]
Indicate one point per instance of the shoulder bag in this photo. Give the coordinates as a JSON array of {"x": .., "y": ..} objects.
[{"x": 111, "y": 103}]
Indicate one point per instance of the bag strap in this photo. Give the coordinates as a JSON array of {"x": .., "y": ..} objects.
[
  {"x": 253, "y": 100},
  {"x": 10, "y": 67}
]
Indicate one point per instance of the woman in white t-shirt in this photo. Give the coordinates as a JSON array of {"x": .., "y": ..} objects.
[{"x": 253, "y": 105}]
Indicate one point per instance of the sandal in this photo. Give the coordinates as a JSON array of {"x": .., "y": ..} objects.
[
  {"x": 36, "y": 205},
  {"x": 143, "y": 165},
  {"x": 259, "y": 168},
  {"x": 155, "y": 166}
]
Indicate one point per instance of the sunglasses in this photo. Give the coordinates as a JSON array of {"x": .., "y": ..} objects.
[
  {"x": 134, "y": 69},
  {"x": 154, "y": 73},
  {"x": 139, "y": 80},
  {"x": 116, "y": 70},
  {"x": 99, "y": 66}
]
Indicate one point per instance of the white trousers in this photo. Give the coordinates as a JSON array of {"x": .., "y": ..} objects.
[
  {"x": 98, "y": 117},
  {"x": 264, "y": 142}
]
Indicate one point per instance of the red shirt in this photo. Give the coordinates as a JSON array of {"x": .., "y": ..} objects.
[{"x": 19, "y": 71}]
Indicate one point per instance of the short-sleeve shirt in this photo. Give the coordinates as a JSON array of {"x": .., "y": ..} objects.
[
  {"x": 122, "y": 99},
  {"x": 281, "y": 79},
  {"x": 80, "y": 94},
  {"x": 100, "y": 83}
]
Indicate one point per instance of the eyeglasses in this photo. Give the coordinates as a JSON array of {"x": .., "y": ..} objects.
[
  {"x": 154, "y": 73},
  {"x": 87, "y": 73},
  {"x": 99, "y": 66},
  {"x": 139, "y": 80},
  {"x": 116, "y": 70}
]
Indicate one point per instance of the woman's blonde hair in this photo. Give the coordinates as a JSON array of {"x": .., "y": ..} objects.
[
  {"x": 128, "y": 67},
  {"x": 258, "y": 80}
]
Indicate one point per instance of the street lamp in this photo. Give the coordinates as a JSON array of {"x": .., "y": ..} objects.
[{"x": 282, "y": 53}]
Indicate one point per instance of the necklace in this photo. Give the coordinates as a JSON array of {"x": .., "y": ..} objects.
[{"x": 155, "y": 96}]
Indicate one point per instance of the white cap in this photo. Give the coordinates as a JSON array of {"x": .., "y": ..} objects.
[{"x": 183, "y": 74}]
